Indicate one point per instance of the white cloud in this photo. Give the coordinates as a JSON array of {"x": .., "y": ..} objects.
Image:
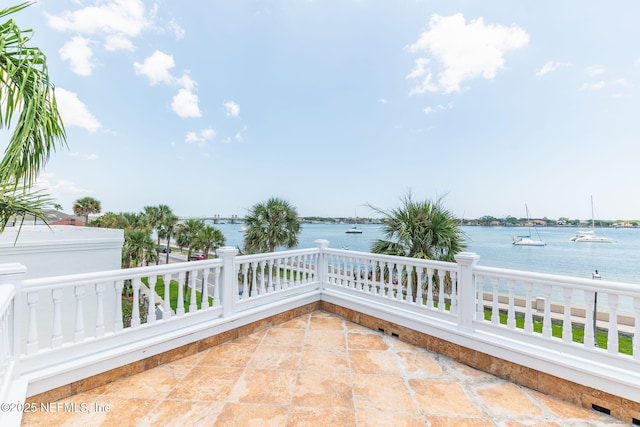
[
  {"x": 239, "y": 136},
  {"x": 465, "y": 51},
  {"x": 594, "y": 70},
  {"x": 74, "y": 112},
  {"x": 438, "y": 108},
  {"x": 551, "y": 66},
  {"x": 84, "y": 155},
  {"x": 185, "y": 104},
  {"x": 602, "y": 84},
  {"x": 117, "y": 42},
  {"x": 156, "y": 68},
  {"x": 231, "y": 109},
  {"x": 178, "y": 31},
  {"x": 79, "y": 54},
  {"x": 125, "y": 17},
  {"x": 54, "y": 185},
  {"x": 186, "y": 81},
  {"x": 383, "y": 101},
  {"x": 200, "y": 138}
]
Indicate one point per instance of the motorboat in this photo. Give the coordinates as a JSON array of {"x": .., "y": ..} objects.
[{"x": 354, "y": 230}]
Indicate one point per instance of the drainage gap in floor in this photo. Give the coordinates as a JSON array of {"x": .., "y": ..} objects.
[
  {"x": 393, "y": 334},
  {"x": 635, "y": 421},
  {"x": 600, "y": 409}
]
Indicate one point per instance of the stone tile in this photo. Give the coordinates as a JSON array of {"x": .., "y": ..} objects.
[
  {"x": 373, "y": 362},
  {"x": 381, "y": 393},
  {"x": 206, "y": 383},
  {"x": 152, "y": 384},
  {"x": 353, "y": 327},
  {"x": 323, "y": 390},
  {"x": 326, "y": 339},
  {"x": 357, "y": 341},
  {"x": 191, "y": 360},
  {"x": 288, "y": 337},
  {"x": 508, "y": 399},
  {"x": 438, "y": 421},
  {"x": 229, "y": 354},
  {"x": 235, "y": 414},
  {"x": 183, "y": 413},
  {"x": 271, "y": 387},
  {"x": 122, "y": 412},
  {"x": 315, "y": 359},
  {"x": 564, "y": 409},
  {"x": 513, "y": 372},
  {"x": 275, "y": 357},
  {"x": 420, "y": 364},
  {"x": 297, "y": 323},
  {"x": 399, "y": 345},
  {"x": 326, "y": 322},
  {"x": 253, "y": 338},
  {"x": 397, "y": 419},
  {"x": 443, "y": 398},
  {"x": 321, "y": 417}
]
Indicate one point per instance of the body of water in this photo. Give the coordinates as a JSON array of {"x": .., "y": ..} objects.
[{"x": 617, "y": 261}]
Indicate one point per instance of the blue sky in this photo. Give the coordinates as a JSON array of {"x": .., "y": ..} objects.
[{"x": 211, "y": 107}]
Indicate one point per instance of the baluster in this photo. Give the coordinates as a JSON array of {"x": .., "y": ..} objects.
[
  {"x": 288, "y": 272},
  {"x": 263, "y": 273},
  {"x": 567, "y": 328},
  {"x": 409, "y": 269},
  {"x": 167, "y": 292},
  {"x": 495, "y": 310},
  {"x": 278, "y": 284},
  {"x": 480, "y": 298},
  {"x": 204, "y": 302},
  {"x": 191, "y": 288},
  {"x": 32, "y": 335},
  {"x": 386, "y": 279},
  {"x": 336, "y": 278},
  {"x": 254, "y": 279},
  {"x": 301, "y": 270},
  {"x": 56, "y": 338},
  {"x": 528, "y": 312},
  {"x": 511, "y": 314},
  {"x": 636, "y": 333},
  {"x": 117, "y": 318},
  {"x": 216, "y": 287},
  {"x": 5, "y": 350},
  {"x": 546, "y": 327},
  {"x": 400, "y": 282},
  {"x": 612, "y": 340},
  {"x": 99, "y": 287},
  {"x": 296, "y": 263},
  {"x": 78, "y": 335},
  {"x": 245, "y": 281},
  {"x": 180, "y": 300},
  {"x": 151, "y": 305},
  {"x": 135, "y": 315},
  {"x": 268, "y": 271},
  {"x": 454, "y": 292},
  {"x": 441, "y": 303},
  {"x": 420, "y": 272},
  {"x": 430, "y": 274},
  {"x": 589, "y": 326},
  {"x": 366, "y": 285}
]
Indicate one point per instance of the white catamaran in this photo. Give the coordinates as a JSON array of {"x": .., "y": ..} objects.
[
  {"x": 527, "y": 240},
  {"x": 589, "y": 236}
]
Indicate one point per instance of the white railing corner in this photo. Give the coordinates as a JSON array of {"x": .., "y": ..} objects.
[
  {"x": 322, "y": 264},
  {"x": 229, "y": 279},
  {"x": 13, "y": 274},
  {"x": 466, "y": 289}
]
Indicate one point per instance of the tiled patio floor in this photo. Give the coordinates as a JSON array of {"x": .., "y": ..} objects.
[{"x": 316, "y": 370}]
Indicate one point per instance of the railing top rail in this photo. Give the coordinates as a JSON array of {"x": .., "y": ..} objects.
[
  {"x": 395, "y": 259},
  {"x": 559, "y": 280},
  {"x": 114, "y": 275},
  {"x": 275, "y": 255}
]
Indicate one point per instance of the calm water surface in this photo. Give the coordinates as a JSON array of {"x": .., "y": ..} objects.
[{"x": 616, "y": 261}]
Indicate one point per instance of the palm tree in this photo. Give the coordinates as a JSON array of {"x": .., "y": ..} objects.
[
  {"x": 138, "y": 248},
  {"x": 86, "y": 206},
  {"x": 26, "y": 91},
  {"x": 271, "y": 224},
  {"x": 167, "y": 229},
  {"x": 424, "y": 230},
  {"x": 187, "y": 235},
  {"x": 210, "y": 238},
  {"x": 155, "y": 216}
]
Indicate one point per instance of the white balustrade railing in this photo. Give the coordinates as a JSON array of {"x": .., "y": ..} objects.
[
  {"x": 7, "y": 353},
  {"x": 82, "y": 316}
]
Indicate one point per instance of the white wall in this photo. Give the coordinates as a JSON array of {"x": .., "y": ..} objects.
[{"x": 62, "y": 250}]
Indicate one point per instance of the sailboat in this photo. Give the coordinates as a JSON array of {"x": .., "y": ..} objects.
[
  {"x": 590, "y": 235},
  {"x": 354, "y": 229},
  {"x": 527, "y": 240}
]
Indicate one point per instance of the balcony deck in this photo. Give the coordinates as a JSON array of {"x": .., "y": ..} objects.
[{"x": 317, "y": 369}]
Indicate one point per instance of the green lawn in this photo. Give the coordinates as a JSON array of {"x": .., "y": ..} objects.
[{"x": 173, "y": 294}]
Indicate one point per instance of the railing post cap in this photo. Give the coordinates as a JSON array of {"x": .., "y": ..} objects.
[
  {"x": 12, "y": 268},
  {"x": 321, "y": 243},
  {"x": 227, "y": 251},
  {"x": 467, "y": 257}
]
